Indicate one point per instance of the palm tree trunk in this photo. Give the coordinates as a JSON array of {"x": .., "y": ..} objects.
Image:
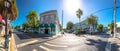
[{"x": 79, "y": 23}]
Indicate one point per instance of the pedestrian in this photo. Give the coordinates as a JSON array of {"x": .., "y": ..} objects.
[{"x": 10, "y": 33}]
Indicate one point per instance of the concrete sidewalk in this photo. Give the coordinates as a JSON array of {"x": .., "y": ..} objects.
[
  {"x": 115, "y": 44},
  {"x": 2, "y": 44}
]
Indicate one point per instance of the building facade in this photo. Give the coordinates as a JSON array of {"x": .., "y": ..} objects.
[
  {"x": 84, "y": 26},
  {"x": 49, "y": 23}
]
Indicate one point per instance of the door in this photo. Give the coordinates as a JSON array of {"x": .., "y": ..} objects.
[{"x": 46, "y": 31}]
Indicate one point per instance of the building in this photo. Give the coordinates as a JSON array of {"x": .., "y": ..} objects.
[
  {"x": 118, "y": 27},
  {"x": 84, "y": 26},
  {"x": 49, "y": 23}
]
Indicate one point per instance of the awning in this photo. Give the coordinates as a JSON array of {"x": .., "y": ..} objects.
[
  {"x": 52, "y": 25},
  {"x": 46, "y": 26},
  {"x": 41, "y": 25}
]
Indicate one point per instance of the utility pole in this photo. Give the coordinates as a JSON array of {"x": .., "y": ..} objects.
[
  {"x": 114, "y": 18},
  {"x": 62, "y": 23}
]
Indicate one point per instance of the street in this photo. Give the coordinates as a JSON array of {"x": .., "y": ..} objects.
[{"x": 66, "y": 42}]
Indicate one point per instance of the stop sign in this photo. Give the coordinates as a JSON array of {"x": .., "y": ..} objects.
[{"x": 0, "y": 18}]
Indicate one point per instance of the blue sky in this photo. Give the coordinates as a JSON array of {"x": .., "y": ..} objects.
[{"x": 69, "y": 7}]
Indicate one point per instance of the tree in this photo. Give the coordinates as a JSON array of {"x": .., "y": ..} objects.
[
  {"x": 79, "y": 13},
  {"x": 60, "y": 27},
  {"x": 32, "y": 18},
  {"x": 111, "y": 26},
  {"x": 17, "y": 27},
  {"x": 70, "y": 25},
  {"x": 12, "y": 10},
  {"x": 100, "y": 27},
  {"x": 92, "y": 22},
  {"x": 25, "y": 26}
]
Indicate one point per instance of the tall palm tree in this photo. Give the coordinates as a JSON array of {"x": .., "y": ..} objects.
[
  {"x": 79, "y": 13},
  {"x": 92, "y": 22}
]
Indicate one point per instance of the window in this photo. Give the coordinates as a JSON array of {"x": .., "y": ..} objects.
[
  {"x": 52, "y": 18},
  {"x": 52, "y": 29},
  {"x": 42, "y": 19}
]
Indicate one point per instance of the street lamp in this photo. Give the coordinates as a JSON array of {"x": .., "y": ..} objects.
[{"x": 7, "y": 5}]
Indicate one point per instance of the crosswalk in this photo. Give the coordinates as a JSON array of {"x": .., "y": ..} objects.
[{"x": 60, "y": 44}]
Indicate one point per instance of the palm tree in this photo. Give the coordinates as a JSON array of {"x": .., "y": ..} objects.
[
  {"x": 92, "y": 22},
  {"x": 79, "y": 13}
]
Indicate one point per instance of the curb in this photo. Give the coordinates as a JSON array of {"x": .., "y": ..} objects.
[{"x": 12, "y": 45}]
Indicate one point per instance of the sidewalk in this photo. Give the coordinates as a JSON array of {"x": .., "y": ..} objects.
[
  {"x": 115, "y": 44},
  {"x": 2, "y": 44}
]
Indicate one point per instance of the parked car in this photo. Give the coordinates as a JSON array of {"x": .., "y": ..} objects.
[{"x": 70, "y": 31}]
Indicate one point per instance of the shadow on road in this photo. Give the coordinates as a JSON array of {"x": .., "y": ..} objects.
[
  {"x": 32, "y": 35},
  {"x": 114, "y": 47},
  {"x": 99, "y": 44}
]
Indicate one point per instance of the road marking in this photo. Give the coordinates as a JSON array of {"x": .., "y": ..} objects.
[
  {"x": 108, "y": 47},
  {"x": 26, "y": 43},
  {"x": 55, "y": 45},
  {"x": 34, "y": 49},
  {"x": 57, "y": 42},
  {"x": 47, "y": 49}
]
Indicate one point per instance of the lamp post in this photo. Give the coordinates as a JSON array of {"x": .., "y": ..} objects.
[{"x": 7, "y": 5}]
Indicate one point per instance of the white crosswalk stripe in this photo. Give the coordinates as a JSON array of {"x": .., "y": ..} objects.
[
  {"x": 55, "y": 45},
  {"x": 34, "y": 49},
  {"x": 47, "y": 49}
]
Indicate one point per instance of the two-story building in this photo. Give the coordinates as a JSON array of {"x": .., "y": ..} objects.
[{"x": 49, "y": 23}]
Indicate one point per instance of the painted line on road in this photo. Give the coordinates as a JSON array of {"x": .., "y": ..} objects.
[
  {"x": 108, "y": 47},
  {"x": 56, "y": 42},
  {"x": 47, "y": 49},
  {"x": 26, "y": 43},
  {"x": 55, "y": 45},
  {"x": 34, "y": 49}
]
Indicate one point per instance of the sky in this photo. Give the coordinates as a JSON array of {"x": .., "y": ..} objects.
[{"x": 69, "y": 8}]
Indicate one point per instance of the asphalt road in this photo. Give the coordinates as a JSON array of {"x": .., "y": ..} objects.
[{"x": 67, "y": 42}]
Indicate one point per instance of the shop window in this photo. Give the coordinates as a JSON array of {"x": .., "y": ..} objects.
[{"x": 52, "y": 29}]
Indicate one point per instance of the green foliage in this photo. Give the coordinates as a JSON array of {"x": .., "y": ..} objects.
[
  {"x": 17, "y": 27},
  {"x": 79, "y": 13},
  {"x": 60, "y": 27},
  {"x": 100, "y": 27},
  {"x": 92, "y": 20},
  {"x": 65, "y": 30},
  {"x": 12, "y": 11},
  {"x": 25, "y": 26},
  {"x": 70, "y": 25},
  {"x": 32, "y": 19},
  {"x": 111, "y": 26}
]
